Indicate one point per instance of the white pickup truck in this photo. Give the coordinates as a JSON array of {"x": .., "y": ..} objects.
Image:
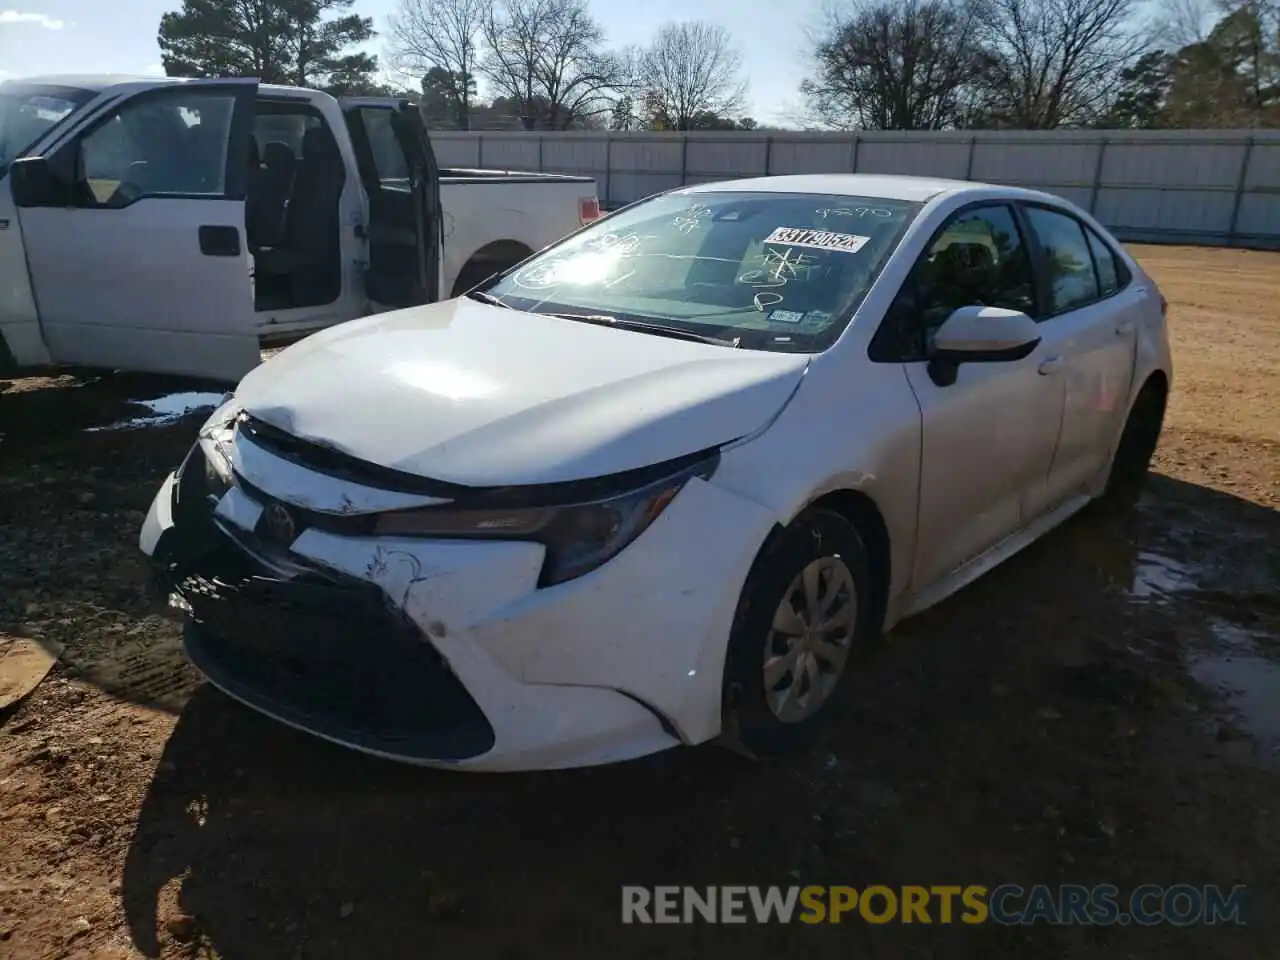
[{"x": 177, "y": 226}]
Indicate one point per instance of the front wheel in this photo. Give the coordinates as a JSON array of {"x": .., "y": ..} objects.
[{"x": 804, "y": 615}]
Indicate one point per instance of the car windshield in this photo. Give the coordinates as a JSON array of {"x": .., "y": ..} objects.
[
  {"x": 28, "y": 111},
  {"x": 766, "y": 271}
]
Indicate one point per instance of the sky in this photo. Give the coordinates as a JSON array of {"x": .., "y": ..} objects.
[{"x": 119, "y": 36}]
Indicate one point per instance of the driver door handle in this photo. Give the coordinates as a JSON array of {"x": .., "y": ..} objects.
[
  {"x": 1124, "y": 328},
  {"x": 1052, "y": 365},
  {"x": 219, "y": 241}
]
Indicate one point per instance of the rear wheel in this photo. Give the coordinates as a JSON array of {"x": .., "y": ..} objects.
[
  {"x": 1132, "y": 463},
  {"x": 804, "y": 616}
]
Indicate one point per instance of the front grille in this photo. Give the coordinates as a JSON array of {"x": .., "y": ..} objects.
[{"x": 327, "y": 653}]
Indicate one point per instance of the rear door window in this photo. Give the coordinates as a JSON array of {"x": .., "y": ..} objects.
[
  {"x": 1106, "y": 263},
  {"x": 1068, "y": 259},
  {"x": 388, "y": 156}
]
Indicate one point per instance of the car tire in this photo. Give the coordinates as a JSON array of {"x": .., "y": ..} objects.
[
  {"x": 775, "y": 717},
  {"x": 1131, "y": 464}
]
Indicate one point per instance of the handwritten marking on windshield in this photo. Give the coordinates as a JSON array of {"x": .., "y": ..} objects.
[
  {"x": 825, "y": 212},
  {"x": 780, "y": 266},
  {"x": 539, "y": 276},
  {"x": 691, "y": 219},
  {"x": 622, "y": 245},
  {"x": 764, "y": 300},
  {"x": 785, "y": 263}
]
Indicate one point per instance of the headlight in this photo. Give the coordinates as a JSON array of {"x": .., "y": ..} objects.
[
  {"x": 224, "y": 413},
  {"x": 217, "y": 468},
  {"x": 579, "y": 537},
  {"x": 204, "y": 476}
]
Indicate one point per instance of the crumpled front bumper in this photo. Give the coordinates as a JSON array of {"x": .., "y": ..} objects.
[{"x": 446, "y": 653}]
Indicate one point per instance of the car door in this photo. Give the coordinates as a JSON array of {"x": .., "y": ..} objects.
[
  {"x": 134, "y": 233},
  {"x": 1091, "y": 322},
  {"x": 989, "y": 436},
  {"x": 402, "y": 180}
]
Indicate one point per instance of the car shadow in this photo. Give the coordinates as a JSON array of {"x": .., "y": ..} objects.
[{"x": 1031, "y": 729}]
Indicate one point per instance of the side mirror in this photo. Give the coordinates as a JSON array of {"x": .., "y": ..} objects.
[
  {"x": 34, "y": 183},
  {"x": 980, "y": 335}
]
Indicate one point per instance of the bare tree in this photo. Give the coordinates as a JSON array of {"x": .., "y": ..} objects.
[
  {"x": 1056, "y": 62},
  {"x": 692, "y": 68},
  {"x": 443, "y": 36},
  {"x": 1184, "y": 22},
  {"x": 547, "y": 56},
  {"x": 888, "y": 65}
]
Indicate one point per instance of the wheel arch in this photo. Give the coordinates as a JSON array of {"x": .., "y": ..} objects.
[
  {"x": 493, "y": 257},
  {"x": 861, "y": 510}
]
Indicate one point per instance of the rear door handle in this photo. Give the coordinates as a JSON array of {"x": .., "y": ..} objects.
[
  {"x": 220, "y": 241},
  {"x": 1124, "y": 328},
  {"x": 1052, "y": 365}
]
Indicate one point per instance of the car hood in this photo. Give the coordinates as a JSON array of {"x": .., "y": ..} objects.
[{"x": 475, "y": 394}]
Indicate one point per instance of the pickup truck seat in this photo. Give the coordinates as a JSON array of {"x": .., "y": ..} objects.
[
  {"x": 269, "y": 195},
  {"x": 309, "y": 248}
]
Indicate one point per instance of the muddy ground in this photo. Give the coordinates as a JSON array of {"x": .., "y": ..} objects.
[{"x": 1102, "y": 709}]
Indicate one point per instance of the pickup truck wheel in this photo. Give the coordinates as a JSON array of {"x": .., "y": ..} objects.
[{"x": 805, "y": 614}]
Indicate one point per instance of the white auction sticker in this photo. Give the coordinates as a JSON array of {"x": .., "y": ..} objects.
[
  {"x": 786, "y": 316},
  {"x": 817, "y": 239}
]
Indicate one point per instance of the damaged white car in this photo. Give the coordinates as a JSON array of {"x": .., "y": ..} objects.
[{"x": 665, "y": 481}]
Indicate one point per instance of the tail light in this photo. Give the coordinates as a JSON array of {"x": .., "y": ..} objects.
[{"x": 588, "y": 210}]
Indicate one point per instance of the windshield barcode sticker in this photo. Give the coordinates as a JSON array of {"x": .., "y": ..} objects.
[{"x": 817, "y": 239}]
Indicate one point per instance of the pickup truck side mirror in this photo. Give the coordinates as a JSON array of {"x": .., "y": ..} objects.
[
  {"x": 980, "y": 335},
  {"x": 34, "y": 183}
]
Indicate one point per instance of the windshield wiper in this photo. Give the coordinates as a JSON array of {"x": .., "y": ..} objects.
[
  {"x": 489, "y": 298},
  {"x": 643, "y": 326}
]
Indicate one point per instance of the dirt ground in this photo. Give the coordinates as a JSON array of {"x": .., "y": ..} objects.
[{"x": 1104, "y": 708}]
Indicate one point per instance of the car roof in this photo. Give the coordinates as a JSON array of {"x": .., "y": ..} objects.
[{"x": 871, "y": 185}]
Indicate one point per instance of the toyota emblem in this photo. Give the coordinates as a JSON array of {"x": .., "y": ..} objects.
[{"x": 280, "y": 524}]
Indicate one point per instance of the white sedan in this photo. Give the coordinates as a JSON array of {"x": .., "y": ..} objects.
[{"x": 662, "y": 482}]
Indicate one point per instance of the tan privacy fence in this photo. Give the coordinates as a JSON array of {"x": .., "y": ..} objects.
[{"x": 1188, "y": 186}]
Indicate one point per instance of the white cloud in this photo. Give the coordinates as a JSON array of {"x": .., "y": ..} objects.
[{"x": 13, "y": 16}]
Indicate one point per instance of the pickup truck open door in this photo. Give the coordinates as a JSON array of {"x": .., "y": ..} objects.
[
  {"x": 133, "y": 223},
  {"x": 402, "y": 180}
]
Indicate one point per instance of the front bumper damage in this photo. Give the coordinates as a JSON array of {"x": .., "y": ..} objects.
[{"x": 447, "y": 653}]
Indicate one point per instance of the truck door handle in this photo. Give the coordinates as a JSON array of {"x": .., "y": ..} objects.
[
  {"x": 1124, "y": 328},
  {"x": 219, "y": 241},
  {"x": 1052, "y": 365}
]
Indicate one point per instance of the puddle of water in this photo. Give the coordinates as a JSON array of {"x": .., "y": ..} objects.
[
  {"x": 165, "y": 410},
  {"x": 1157, "y": 578},
  {"x": 1249, "y": 683}
]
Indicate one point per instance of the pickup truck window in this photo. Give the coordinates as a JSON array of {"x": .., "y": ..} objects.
[
  {"x": 388, "y": 155},
  {"x": 29, "y": 111},
  {"x": 772, "y": 271},
  {"x": 170, "y": 144}
]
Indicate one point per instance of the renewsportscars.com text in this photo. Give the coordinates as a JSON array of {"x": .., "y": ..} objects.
[{"x": 1008, "y": 904}]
